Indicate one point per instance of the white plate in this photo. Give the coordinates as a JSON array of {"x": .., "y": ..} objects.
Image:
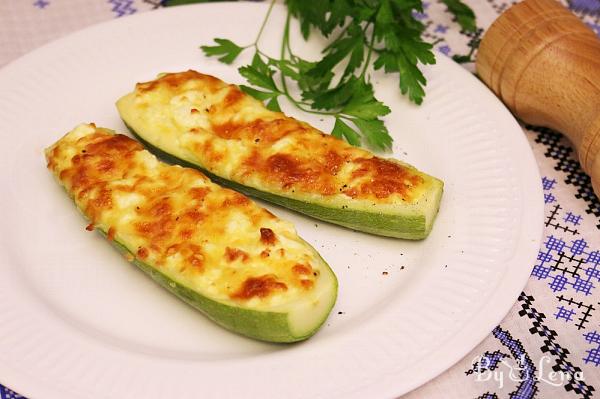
[{"x": 77, "y": 321}]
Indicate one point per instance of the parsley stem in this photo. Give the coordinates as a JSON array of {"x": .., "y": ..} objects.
[
  {"x": 264, "y": 23},
  {"x": 289, "y": 47},
  {"x": 370, "y": 52},
  {"x": 286, "y": 33},
  {"x": 470, "y": 55},
  {"x": 285, "y": 47}
]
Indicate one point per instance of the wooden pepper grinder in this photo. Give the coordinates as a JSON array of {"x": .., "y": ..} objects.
[{"x": 544, "y": 64}]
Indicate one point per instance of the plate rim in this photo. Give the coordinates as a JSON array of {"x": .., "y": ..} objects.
[{"x": 25, "y": 386}]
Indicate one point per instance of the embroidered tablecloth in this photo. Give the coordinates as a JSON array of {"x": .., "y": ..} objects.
[{"x": 548, "y": 346}]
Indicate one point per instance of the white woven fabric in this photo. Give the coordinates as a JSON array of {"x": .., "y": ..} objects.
[{"x": 552, "y": 334}]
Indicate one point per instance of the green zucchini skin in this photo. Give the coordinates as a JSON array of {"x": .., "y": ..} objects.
[
  {"x": 261, "y": 325},
  {"x": 288, "y": 322},
  {"x": 412, "y": 227}
]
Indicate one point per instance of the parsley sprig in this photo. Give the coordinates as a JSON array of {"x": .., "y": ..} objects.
[{"x": 365, "y": 35}]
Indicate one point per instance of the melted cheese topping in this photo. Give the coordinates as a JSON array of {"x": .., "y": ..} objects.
[
  {"x": 203, "y": 120},
  {"x": 211, "y": 239}
]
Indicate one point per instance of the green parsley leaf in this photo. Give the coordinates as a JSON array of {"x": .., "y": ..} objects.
[
  {"x": 258, "y": 94},
  {"x": 412, "y": 80},
  {"x": 387, "y": 61},
  {"x": 259, "y": 74},
  {"x": 273, "y": 105},
  {"x": 338, "y": 51},
  {"x": 338, "y": 11},
  {"x": 309, "y": 84},
  {"x": 309, "y": 13},
  {"x": 363, "y": 34},
  {"x": 384, "y": 17},
  {"x": 342, "y": 130},
  {"x": 332, "y": 98},
  {"x": 289, "y": 69},
  {"x": 463, "y": 14},
  {"x": 363, "y": 103},
  {"x": 375, "y": 132},
  {"x": 356, "y": 58},
  {"x": 226, "y": 48}
]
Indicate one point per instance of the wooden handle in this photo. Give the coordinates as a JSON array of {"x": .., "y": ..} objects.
[{"x": 544, "y": 64}]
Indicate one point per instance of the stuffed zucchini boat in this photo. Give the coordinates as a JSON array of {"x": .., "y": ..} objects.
[
  {"x": 214, "y": 248},
  {"x": 198, "y": 120}
]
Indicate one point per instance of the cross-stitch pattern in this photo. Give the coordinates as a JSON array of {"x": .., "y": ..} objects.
[
  {"x": 6, "y": 393},
  {"x": 527, "y": 387},
  {"x": 564, "y": 313},
  {"x": 488, "y": 361},
  {"x": 593, "y": 355},
  {"x": 568, "y": 265},
  {"x": 549, "y": 198},
  {"x": 553, "y": 220},
  {"x": 122, "y": 7},
  {"x": 528, "y": 381},
  {"x": 41, "y": 4},
  {"x": 585, "y": 310},
  {"x": 559, "y": 150},
  {"x": 488, "y": 395},
  {"x": 590, "y": 7},
  {"x": 442, "y": 28},
  {"x": 567, "y": 268},
  {"x": 550, "y": 345},
  {"x": 572, "y": 218},
  {"x": 500, "y": 6},
  {"x": 547, "y": 183}
]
